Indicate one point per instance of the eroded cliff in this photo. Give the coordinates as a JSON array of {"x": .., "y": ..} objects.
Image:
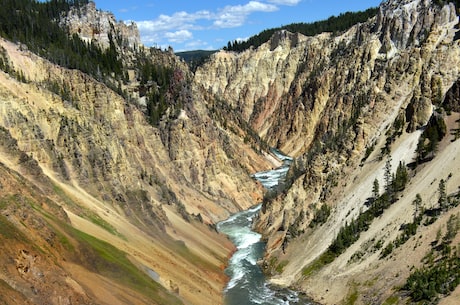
[
  {"x": 343, "y": 104},
  {"x": 96, "y": 180},
  {"x": 141, "y": 196}
]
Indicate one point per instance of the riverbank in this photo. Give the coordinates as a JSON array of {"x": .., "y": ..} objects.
[{"x": 248, "y": 284}]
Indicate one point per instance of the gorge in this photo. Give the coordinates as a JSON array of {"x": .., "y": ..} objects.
[
  {"x": 116, "y": 176},
  {"x": 247, "y": 283}
]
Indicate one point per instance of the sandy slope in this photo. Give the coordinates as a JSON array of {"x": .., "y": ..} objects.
[
  {"x": 383, "y": 275},
  {"x": 376, "y": 277},
  {"x": 155, "y": 254},
  {"x": 191, "y": 268}
]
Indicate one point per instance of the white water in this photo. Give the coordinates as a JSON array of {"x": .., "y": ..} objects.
[{"x": 247, "y": 283}]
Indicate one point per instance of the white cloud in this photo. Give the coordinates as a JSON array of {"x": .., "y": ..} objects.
[
  {"x": 179, "y": 36},
  {"x": 234, "y": 16},
  {"x": 127, "y": 10},
  {"x": 150, "y": 39},
  {"x": 177, "y": 21},
  {"x": 199, "y": 44},
  {"x": 178, "y": 27},
  {"x": 285, "y": 2}
]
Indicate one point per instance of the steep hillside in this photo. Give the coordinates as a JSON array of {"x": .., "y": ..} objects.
[
  {"x": 47, "y": 261},
  {"x": 111, "y": 181},
  {"x": 135, "y": 197},
  {"x": 343, "y": 105},
  {"x": 299, "y": 78}
]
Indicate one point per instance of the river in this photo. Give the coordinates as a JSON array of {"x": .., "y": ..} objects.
[{"x": 247, "y": 283}]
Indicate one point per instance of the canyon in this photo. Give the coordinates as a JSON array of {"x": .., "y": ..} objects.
[{"x": 100, "y": 206}]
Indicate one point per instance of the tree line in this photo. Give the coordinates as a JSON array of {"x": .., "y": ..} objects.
[
  {"x": 333, "y": 24},
  {"x": 394, "y": 183},
  {"x": 35, "y": 25},
  {"x": 440, "y": 274}
]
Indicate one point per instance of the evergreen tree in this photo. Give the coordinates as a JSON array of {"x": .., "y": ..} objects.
[
  {"x": 401, "y": 177},
  {"x": 375, "y": 190},
  {"x": 417, "y": 204},
  {"x": 388, "y": 178},
  {"x": 429, "y": 140},
  {"x": 433, "y": 143},
  {"x": 453, "y": 226},
  {"x": 442, "y": 201},
  {"x": 421, "y": 150}
]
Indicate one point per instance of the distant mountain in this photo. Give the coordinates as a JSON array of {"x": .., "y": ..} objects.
[
  {"x": 195, "y": 58},
  {"x": 196, "y": 55}
]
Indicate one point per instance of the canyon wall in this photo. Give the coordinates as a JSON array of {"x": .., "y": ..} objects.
[
  {"x": 153, "y": 192},
  {"x": 91, "y": 191},
  {"x": 343, "y": 104}
]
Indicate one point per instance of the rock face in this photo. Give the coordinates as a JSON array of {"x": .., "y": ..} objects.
[
  {"x": 90, "y": 191},
  {"x": 327, "y": 100},
  {"x": 152, "y": 193},
  {"x": 95, "y": 25},
  {"x": 297, "y": 76}
]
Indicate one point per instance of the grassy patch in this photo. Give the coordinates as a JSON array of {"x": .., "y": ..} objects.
[
  {"x": 280, "y": 267},
  {"x": 99, "y": 221},
  {"x": 372, "y": 282},
  {"x": 352, "y": 297},
  {"x": 391, "y": 300},
  {"x": 64, "y": 240},
  {"x": 277, "y": 266},
  {"x": 62, "y": 195},
  {"x": 317, "y": 264},
  {"x": 87, "y": 214},
  {"x": 9, "y": 231},
  {"x": 5, "y": 201},
  {"x": 13, "y": 199},
  {"x": 180, "y": 248},
  {"x": 105, "y": 259}
]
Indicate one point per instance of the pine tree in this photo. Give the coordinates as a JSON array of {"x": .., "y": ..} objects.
[
  {"x": 417, "y": 203},
  {"x": 421, "y": 149},
  {"x": 388, "y": 179},
  {"x": 401, "y": 177},
  {"x": 375, "y": 190},
  {"x": 442, "y": 201},
  {"x": 434, "y": 142}
]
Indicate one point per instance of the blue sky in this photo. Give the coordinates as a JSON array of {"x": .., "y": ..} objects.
[{"x": 210, "y": 24}]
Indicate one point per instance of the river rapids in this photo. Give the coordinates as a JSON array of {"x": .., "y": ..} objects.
[{"x": 247, "y": 283}]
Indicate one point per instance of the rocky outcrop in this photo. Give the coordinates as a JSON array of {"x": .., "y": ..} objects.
[
  {"x": 254, "y": 81},
  {"x": 141, "y": 188},
  {"x": 452, "y": 99},
  {"x": 90, "y": 161},
  {"x": 94, "y": 25},
  {"x": 327, "y": 100},
  {"x": 302, "y": 76}
]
